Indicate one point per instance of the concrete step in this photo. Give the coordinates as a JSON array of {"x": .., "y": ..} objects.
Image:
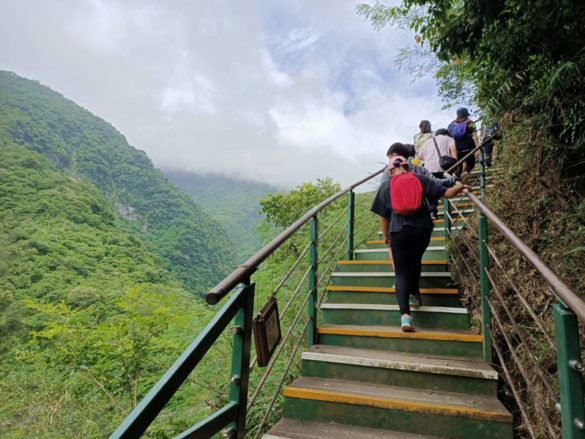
[
  {"x": 439, "y": 229},
  {"x": 445, "y": 414},
  {"x": 391, "y": 338},
  {"x": 303, "y": 429},
  {"x": 459, "y": 223},
  {"x": 422, "y": 371},
  {"x": 433, "y": 252},
  {"x": 384, "y": 265},
  {"x": 424, "y": 317},
  {"x": 466, "y": 212},
  {"x": 462, "y": 203},
  {"x": 477, "y": 187},
  {"x": 387, "y": 296},
  {"x": 430, "y": 279},
  {"x": 379, "y": 243},
  {"x": 464, "y": 198}
]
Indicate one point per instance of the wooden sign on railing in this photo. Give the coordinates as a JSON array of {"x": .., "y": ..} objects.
[{"x": 266, "y": 328}]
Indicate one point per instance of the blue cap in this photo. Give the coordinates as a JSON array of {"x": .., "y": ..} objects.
[{"x": 462, "y": 112}]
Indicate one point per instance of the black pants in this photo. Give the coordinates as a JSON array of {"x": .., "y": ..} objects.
[
  {"x": 434, "y": 203},
  {"x": 408, "y": 247},
  {"x": 469, "y": 160}
]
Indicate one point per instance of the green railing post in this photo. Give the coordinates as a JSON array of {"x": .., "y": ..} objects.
[
  {"x": 242, "y": 331},
  {"x": 350, "y": 224},
  {"x": 484, "y": 283},
  {"x": 313, "y": 276},
  {"x": 570, "y": 372}
]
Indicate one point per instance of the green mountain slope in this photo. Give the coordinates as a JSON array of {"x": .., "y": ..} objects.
[
  {"x": 193, "y": 247},
  {"x": 233, "y": 203},
  {"x": 88, "y": 318}
]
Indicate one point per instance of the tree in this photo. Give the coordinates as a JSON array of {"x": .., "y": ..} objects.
[{"x": 282, "y": 210}]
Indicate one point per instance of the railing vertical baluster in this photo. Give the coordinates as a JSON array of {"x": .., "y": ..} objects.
[
  {"x": 350, "y": 224},
  {"x": 447, "y": 222},
  {"x": 241, "y": 360},
  {"x": 313, "y": 279},
  {"x": 484, "y": 283},
  {"x": 482, "y": 173},
  {"x": 569, "y": 372}
]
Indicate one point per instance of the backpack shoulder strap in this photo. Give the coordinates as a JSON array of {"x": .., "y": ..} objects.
[{"x": 436, "y": 146}]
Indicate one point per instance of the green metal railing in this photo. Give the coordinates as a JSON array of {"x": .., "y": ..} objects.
[
  {"x": 513, "y": 345},
  {"x": 232, "y": 417}
]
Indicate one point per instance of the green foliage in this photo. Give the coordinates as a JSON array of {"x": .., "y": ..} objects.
[
  {"x": 232, "y": 202},
  {"x": 106, "y": 320},
  {"x": 191, "y": 246},
  {"x": 282, "y": 210}
]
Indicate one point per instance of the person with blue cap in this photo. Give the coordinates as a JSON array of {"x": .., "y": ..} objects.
[{"x": 463, "y": 130}]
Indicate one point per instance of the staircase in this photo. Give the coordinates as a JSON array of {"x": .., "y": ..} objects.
[{"x": 367, "y": 379}]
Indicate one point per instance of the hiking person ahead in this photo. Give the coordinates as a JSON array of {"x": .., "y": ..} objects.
[
  {"x": 488, "y": 136},
  {"x": 407, "y": 226},
  {"x": 434, "y": 148},
  {"x": 464, "y": 132},
  {"x": 425, "y": 133}
]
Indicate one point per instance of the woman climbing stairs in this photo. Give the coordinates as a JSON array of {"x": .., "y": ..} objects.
[{"x": 367, "y": 379}]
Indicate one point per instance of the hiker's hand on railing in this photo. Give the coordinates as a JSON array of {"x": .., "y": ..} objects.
[{"x": 454, "y": 190}]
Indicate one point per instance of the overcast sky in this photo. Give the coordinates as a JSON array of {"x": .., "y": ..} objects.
[{"x": 268, "y": 90}]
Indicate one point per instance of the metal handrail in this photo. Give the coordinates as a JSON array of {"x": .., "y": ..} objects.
[
  {"x": 566, "y": 314},
  {"x": 562, "y": 289},
  {"x": 570, "y": 299},
  {"x": 247, "y": 268}
]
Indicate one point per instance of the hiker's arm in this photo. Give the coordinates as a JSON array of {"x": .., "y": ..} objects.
[
  {"x": 384, "y": 222},
  {"x": 453, "y": 150},
  {"x": 455, "y": 190}
]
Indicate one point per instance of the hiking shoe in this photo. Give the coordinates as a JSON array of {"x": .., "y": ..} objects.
[
  {"x": 434, "y": 216},
  {"x": 406, "y": 324},
  {"x": 414, "y": 302}
]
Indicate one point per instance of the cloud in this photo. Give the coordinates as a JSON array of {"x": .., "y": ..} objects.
[{"x": 278, "y": 91}]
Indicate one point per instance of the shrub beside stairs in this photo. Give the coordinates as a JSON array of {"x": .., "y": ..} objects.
[{"x": 367, "y": 379}]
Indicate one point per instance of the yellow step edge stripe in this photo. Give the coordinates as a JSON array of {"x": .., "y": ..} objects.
[
  {"x": 389, "y": 290},
  {"x": 399, "y": 334},
  {"x": 396, "y": 404},
  {"x": 387, "y": 262},
  {"x": 458, "y": 205},
  {"x": 381, "y": 241},
  {"x": 453, "y": 220}
]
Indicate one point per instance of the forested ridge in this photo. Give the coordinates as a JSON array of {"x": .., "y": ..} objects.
[
  {"x": 101, "y": 263},
  {"x": 89, "y": 319},
  {"x": 192, "y": 246},
  {"x": 232, "y": 202}
]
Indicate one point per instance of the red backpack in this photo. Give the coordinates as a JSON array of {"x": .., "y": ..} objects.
[{"x": 406, "y": 194}]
